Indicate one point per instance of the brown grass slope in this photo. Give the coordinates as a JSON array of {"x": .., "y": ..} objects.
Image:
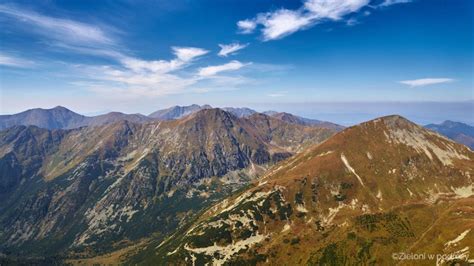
[{"x": 382, "y": 187}]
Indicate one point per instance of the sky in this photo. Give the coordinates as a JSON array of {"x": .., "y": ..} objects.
[{"x": 343, "y": 60}]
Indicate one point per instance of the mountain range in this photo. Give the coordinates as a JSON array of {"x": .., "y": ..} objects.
[
  {"x": 62, "y": 118},
  {"x": 232, "y": 186},
  {"x": 383, "y": 187},
  {"x": 459, "y": 132},
  {"x": 87, "y": 190}
]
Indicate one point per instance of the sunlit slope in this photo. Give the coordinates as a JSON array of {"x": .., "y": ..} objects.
[{"x": 374, "y": 189}]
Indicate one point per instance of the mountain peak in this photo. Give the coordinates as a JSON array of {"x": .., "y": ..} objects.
[
  {"x": 211, "y": 114},
  {"x": 457, "y": 131},
  {"x": 393, "y": 118},
  {"x": 59, "y": 107},
  {"x": 177, "y": 111},
  {"x": 394, "y": 122}
]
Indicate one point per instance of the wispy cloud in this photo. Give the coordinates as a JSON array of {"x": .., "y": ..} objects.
[
  {"x": 138, "y": 77},
  {"x": 283, "y": 22},
  {"x": 229, "y": 49},
  {"x": 12, "y": 61},
  {"x": 130, "y": 76},
  {"x": 63, "y": 30},
  {"x": 278, "y": 94},
  {"x": 425, "y": 81},
  {"x": 246, "y": 26},
  {"x": 187, "y": 54},
  {"x": 184, "y": 55},
  {"x": 394, "y": 2},
  {"x": 214, "y": 70}
]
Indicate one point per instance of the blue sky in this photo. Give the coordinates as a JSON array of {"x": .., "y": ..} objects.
[{"x": 139, "y": 56}]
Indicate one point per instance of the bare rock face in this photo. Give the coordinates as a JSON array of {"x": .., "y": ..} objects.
[
  {"x": 177, "y": 112},
  {"x": 380, "y": 187},
  {"x": 100, "y": 187}
]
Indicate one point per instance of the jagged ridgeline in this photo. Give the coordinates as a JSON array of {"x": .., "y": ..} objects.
[
  {"x": 91, "y": 190},
  {"x": 382, "y": 187}
]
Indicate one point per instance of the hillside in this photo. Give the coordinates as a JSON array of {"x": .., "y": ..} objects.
[
  {"x": 290, "y": 118},
  {"x": 94, "y": 189},
  {"x": 385, "y": 186}
]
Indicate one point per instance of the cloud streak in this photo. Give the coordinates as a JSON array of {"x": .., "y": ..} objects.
[
  {"x": 64, "y": 30},
  {"x": 183, "y": 56},
  {"x": 230, "y": 49},
  {"x": 278, "y": 94},
  {"x": 214, "y": 70},
  {"x": 394, "y": 2},
  {"x": 425, "y": 81},
  {"x": 137, "y": 77},
  {"x": 12, "y": 61}
]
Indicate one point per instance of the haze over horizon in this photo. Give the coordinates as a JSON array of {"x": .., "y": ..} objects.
[{"x": 347, "y": 62}]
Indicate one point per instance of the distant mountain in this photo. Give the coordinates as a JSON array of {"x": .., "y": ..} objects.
[
  {"x": 270, "y": 113},
  {"x": 62, "y": 118},
  {"x": 376, "y": 189},
  {"x": 91, "y": 190},
  {"x": 114, "y": 117},
  {"x": 177, "y": 112},
  {"x": 459, "y": 132},
  {"x": 240, "y": 112},
  {"x": 290, "y": 118},
  {"x": 57, "y": 117}
]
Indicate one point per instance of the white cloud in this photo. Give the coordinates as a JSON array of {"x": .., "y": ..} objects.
[
  {"x": 393, "y": 2},
  {"x": 138, "y": 77},
  {"x": 283, "y": 22},
  {"x": 246, "y": 26},
  {"x": 130, "y": 76},
  {"x": 187, "y": 54},
  {"x": 278, "y": 94},
  {"x": 425, "y": 81},
  {"x": 11, "y": 61},
  {"x": 213, "y": 70},
  {"x": 64, "y": 30},
  {"x": 229, "y": 49},
  {"x": 333, "y": 9},
  {"x": 184, "y": 55}
]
